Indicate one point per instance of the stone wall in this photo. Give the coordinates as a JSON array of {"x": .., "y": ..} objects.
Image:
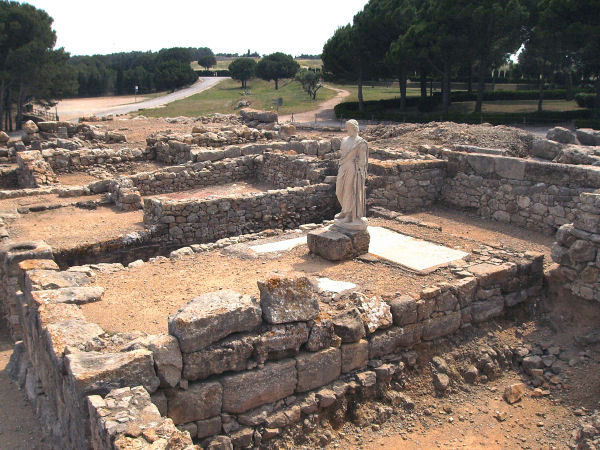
[
  {"x": 33, "y": 171},
  {"x": 405, "y": 185},
  {"x": 8, "y": 178},
  {"x": 64, "y": 161},
  {"x": 181, "y": 222},
  {"x": 531, "y": 194},
  {"x": 194, "y": 175},
  {"x": 232, "y": 366},
  {"x": 576, "y": 250},
  {"x": 124, "y": 194},
  {"x": 282, "y": 170}
]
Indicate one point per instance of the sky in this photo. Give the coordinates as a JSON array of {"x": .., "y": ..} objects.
[{"x": 85, "y": 27}]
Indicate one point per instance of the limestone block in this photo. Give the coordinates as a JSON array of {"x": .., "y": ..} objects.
[
  {"x": 213, "y": 316},
  {"x": 355, "y": 355},
  {"x": 393, "y": 340},
  {"x": 441, "y": 326},
  {"x": 78, "y": 295},
  {"x": 318, "y": 369},
  {"x": 200, "y": 401},
  {"x": 101, "y": 372},
  {"x": 280, "y": 341},
  {"x": 231, "y": 354},
  {"x": 247, "y": 390},
  {"x": 338, "y": 246},
  {"x": 285, "y": 300},
  {"x": 349, "y": 326},
  {"x": 404, "y": 310},
  {"x": 562, "y": 135},
  {"x": 481, "y": 311},
  {"x": 166, "y": 355},
  {"x": 209, "y": 427}
]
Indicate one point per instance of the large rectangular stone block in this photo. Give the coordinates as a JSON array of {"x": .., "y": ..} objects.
[
  {"x": 318, "y": 369},
  {"x": 354, "y": 356},
  {"x": 285, "y": 300},
  {"x": 200, "y": 401},
  {"x": 245, "y": 391},
  {"x": 99, "y": 373},
  {"x": 393, "y": 340},
  {"x": 213, "y": 316}
]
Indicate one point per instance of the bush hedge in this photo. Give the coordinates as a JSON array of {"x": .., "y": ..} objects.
[
  {"x": 585, "y": 100},
  {"x": 211, "y": 73},
  {"x": 384, "y": 109}
]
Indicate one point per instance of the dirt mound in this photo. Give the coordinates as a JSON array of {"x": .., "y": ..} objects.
[{"x": 410, "y": 135}]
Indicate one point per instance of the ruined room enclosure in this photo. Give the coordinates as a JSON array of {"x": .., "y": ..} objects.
[{"x": 122, "y": 346}]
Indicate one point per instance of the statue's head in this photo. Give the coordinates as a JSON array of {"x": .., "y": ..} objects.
[{"x": 352, "y": 127}]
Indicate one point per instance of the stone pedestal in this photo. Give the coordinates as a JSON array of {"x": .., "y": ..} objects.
[{"x": 338, "y": 244}]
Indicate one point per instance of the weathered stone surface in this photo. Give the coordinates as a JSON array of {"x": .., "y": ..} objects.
[
  {"x": 334, "y": 245},
  {"x": 514, "y": 392},
  {"x": 220, "y": 443},
  {"x": 491, "y": 274},
  {"x": 588, "y": 136},
  {"x": 562, "y": 135},
  {"x": 208, "y": 427},
  {"x": 393, "y": 340},
  {"x": 441, "y": 326},
  {"x": 166, "y": 354},
  {"x": 94, "y": 372},
  {"x": 30, "y": 127},
  {"x": 39, "y": 280},
  {"x": 318, "y": 369},
  {"x": 260, "y": 116},
  {"x": 126, "y": 412},
  {"x": 213, "y": 316},
  {"x": 75, "y": 295},
  {"x": 280, "y": 341},
  {"x": 375, "y": 312},
  {"x": 70, "y": 333},
  {"x": 285, "y": 300},
  {"x": 355, "y": 355},
  {"x": 244, "y": 391},
  {"x": 404, "y": 310},
  {"x": 322, "y": 335},
  {"x": 546, "y": 149},
  {"x": 199, "y": 401},
  {"x": 349, "y": 325},
  {"x": 231, "y": 354},
  {"x": 481, "y": 311}
]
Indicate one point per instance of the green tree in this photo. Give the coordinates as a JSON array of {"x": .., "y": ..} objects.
[
  {"x": 496, "y": 30},
  {"x": 310, "y": 81},
  {"x": 207, "y": 60},
  {"x": 242, "y": 69},
  {"x": 277, "y": 66}
]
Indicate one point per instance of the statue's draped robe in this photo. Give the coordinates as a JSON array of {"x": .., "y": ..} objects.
[{"x": 350, "y": 185}]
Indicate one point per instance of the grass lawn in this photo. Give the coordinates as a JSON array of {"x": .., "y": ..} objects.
[
  {"x": 310, "y": 63},
  {"x": 224, "y": 96},
  {"x": 375, "y": 92}
]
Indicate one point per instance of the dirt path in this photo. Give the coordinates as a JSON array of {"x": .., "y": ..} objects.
[
  {"x": 100, "y": 106},
  {"x": 324, "y": 112},
  {"x": 18, "y": 426}
]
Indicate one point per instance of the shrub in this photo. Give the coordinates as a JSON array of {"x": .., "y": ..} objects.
[{"x": 585, "y": 100}]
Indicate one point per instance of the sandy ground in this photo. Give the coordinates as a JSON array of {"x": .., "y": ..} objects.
[
  {"x": 68, "y": 227},
  {"x": 142, "y": 298},
  {"x": 74, "y": 108},
  {"x": 19, "y": 429},
  {"x": 323, "y": 112}
]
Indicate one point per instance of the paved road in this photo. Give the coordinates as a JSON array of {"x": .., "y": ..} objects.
[{"x": 202, "y": 84}]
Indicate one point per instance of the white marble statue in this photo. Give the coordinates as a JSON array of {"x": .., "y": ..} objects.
[{"x": 350, "y": 185}]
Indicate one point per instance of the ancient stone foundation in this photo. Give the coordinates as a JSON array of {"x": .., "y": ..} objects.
[{"x": 233, "y": 370}]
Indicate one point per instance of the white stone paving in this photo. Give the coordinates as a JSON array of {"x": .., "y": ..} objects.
[
  {"x": 409, "y": 252},
  {"x": 335, "y": 286},
  {"x": 414, "y": 254},
  {"x": 279, "y": 246}
]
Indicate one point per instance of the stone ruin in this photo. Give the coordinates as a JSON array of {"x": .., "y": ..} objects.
[{"x": 235, "y": 371}]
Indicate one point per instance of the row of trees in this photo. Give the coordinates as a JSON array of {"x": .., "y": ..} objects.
[
  {"x": 273, "y": 67},
  {"x": 29, "y": 65},
  {"x": 441, "y": 39},
  {"x": 118, "y": 73}
]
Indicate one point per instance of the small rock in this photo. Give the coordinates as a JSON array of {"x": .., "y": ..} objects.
[{"x": 514, "y": 392}]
